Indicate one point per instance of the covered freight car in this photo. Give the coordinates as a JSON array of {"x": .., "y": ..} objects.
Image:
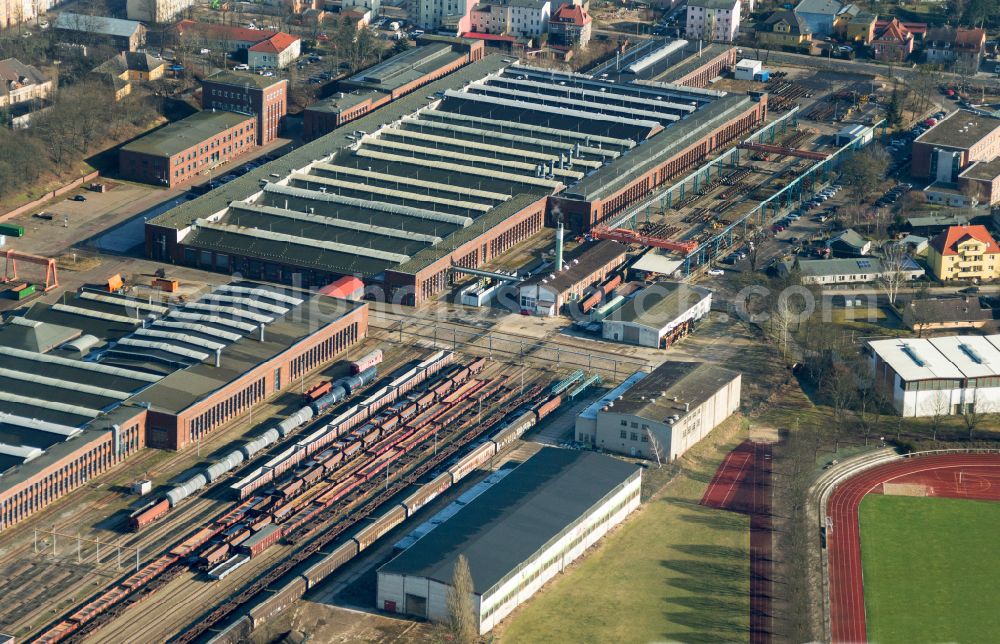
[{"x": 366, "y": 361}]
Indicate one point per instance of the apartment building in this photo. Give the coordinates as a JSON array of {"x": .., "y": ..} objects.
[
  {"x": 964, "y": 252},
  {"x": 716, "y": 20}
]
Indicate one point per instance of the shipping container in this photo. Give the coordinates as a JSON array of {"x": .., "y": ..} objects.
[{"x": 24, "y": 293}]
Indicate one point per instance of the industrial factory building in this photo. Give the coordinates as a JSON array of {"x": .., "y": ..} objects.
[
  {"x": 454, "y": 175},
  {"x": 434, "y": 57},
  {"x": 658, "y": 315},
  {"x": 90, "y": 380},
  {"x": 516, "y": 535},
  {"x": 661, "y": 414},
  {"x": 548, "y": 291}
]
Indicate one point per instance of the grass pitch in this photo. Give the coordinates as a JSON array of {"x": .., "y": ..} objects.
[
  {"x": 931, "y": 569},
  {"x": 675, "y": 571}
]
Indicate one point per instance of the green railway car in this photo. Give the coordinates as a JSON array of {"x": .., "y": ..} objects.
[{"x": 11, "y": 230}]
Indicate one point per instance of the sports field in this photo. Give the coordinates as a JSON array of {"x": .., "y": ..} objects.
[{"x": 930, "y": 569}]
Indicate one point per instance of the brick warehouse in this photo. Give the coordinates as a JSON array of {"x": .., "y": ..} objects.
[
  {"x": 108, "y": 375},
  {"x": 455, "y": 174},
  {"x": 184, "y": 149},
  {"x": 260, "y": 96},
  {"x": 433, "y": 58}
]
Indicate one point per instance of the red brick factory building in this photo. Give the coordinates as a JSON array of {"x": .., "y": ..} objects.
[
  {"x": 91, "y": 380},
  {"x": 261, "y": 96},
  {"x": 433, "y": 58},
  {"x": 455, "y": 174},
  {"x": 185, "y": 149}
]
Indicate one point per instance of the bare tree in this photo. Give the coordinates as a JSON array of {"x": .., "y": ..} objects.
[
  {"x": 655, "y": 446},
  {"x": 462, "y": 623},
  {"x": 894, "y": 262},
  {"x": 974, "y": 413},
  {"x": 939, "y": 405}
]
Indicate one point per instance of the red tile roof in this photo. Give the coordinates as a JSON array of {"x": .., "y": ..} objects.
[
  {"x": 894, "y": 31},
  {"x": 276, "y": 44},
  {"x": 572, "y": 14},
  {"x": 947, "y": 242},
  {"x": 223, "y": 32}
]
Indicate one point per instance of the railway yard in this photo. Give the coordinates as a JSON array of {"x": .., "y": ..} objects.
[
  {"x": 272, "y": 462},
  {"x": 345, "y": 472}
]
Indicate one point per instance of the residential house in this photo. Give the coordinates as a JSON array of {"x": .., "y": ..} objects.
[
  {"x": 819, "y": 15},
  {"x": 845, "y": 271},
  {"x": 127, "y": 35},
  {"x": 856, "y": 27},
  {"x": 278, "y": 51},
  {"x": 444, "y": 16},
  {"x": 783, "y": 28},
  {"x": 134, "y": 66},
  {"x": 570, "y": 26},
  {"x": 520, "y": 18},
  {"x": 716, "y": 20},
  {"x": 966, "y": 253},
  {"x": 156, "y": 10},
  {"x": 221, "y": 37},
  {"x": 849, "y": 243},
  {"x": 22, "y": 83},
  {"x": 946, "y": 313},
  {"x": 959, "y": 46},
  {"x": 893, "y": 42}
]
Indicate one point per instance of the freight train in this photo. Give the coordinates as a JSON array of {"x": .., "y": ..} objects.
[
  {"x": 330, "y": 393},
  {"x": 249, "y": 528},
  {"x": 330, "y": 560}
]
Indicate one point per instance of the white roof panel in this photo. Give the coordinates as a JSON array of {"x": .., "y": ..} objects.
[
  {"x": 973, "y": 354},
  {"x": 915, "y": 359}
]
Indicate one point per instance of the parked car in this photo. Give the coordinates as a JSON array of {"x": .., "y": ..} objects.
[
  {"x": 242, "y": 67},
  {"x": 716, "y": 272},
  {"x": 78, "y": 198}
]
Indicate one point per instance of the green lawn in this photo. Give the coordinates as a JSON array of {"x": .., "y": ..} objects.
[
  {"x": 675, "y": 571},
  {"x": 931, "y": 569}
]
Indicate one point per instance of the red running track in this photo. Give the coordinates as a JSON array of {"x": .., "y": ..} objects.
[
  {"x": 964, "y": 476},
  {"x": 743, "y": 484}
]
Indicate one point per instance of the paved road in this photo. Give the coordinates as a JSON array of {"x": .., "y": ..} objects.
[{"x": 839, "y": 65}]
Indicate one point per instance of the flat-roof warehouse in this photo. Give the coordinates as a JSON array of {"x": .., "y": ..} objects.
[
  {"x": 516, "y": 535},
  {"x": 456, "y": 175}
]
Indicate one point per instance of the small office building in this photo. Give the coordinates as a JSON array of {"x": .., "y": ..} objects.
[
  {"x": 658, "y": 315},
  {"x": 660, "y": 415}
]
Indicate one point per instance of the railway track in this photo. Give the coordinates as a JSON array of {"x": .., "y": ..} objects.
[
  {"x": 154, "y": 538},
  {"x": 405, "y": 473}
]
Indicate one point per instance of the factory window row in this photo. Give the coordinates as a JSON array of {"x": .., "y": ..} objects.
[
  {"x": 227, "y": 409},
  {"x": 324, "y": 351},
  {"x": 63, "y": 480},
  {"x": 555, "y": 559},
  {"x": 517, "y": 234},
  {"x": 683, "y": 162},
  {"x": 625, "y": 199}
]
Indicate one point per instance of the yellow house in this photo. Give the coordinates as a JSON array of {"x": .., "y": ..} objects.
[
  {"x": 130, "y": 67},
  {"x": 964, "y": 252},
  {"x": 783, "y": 29}
]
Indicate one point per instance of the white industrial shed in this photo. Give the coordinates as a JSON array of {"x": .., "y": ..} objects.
[
  {"x": 516, "y": 535},
  {"x": 660, "y": 416},
  {"x": 658, "y": 315},
  {"x": 938, "y": 376}
]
